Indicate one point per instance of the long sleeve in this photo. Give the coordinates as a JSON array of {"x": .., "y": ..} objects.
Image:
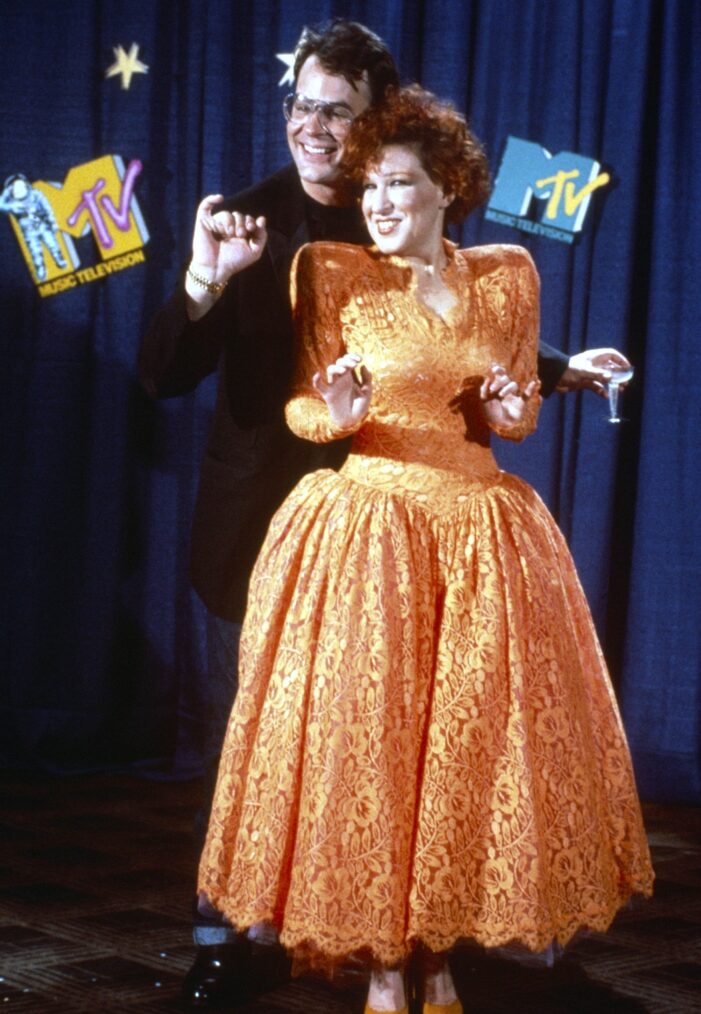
[
  {"x": 552, "y": 363},
  {"x": 177, "y": 353},
  {"x": 316, "y": 283},
  {"x": 524, "y": 307}
]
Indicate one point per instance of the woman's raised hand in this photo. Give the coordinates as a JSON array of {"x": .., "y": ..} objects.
[
  {"x": 347, "y": 389},
  {"x": 504, "y": 402}
]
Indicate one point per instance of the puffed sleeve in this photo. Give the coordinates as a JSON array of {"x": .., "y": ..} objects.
[
  {"x": 524, "y": 309},
  {"x": 317, "y": 281}
]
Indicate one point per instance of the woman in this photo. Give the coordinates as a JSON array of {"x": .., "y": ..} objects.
[{"x": 425, "y": 746}]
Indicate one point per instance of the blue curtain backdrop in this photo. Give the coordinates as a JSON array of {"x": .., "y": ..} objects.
[{"x": 103, "y": 641}]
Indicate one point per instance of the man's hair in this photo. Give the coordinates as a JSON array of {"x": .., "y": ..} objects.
[
  {"x": 352, "y": 51},
  {"x": 449, "y": 152}
]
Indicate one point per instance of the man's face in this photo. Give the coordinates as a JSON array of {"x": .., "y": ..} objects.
[{"x": 317, "y": 149}]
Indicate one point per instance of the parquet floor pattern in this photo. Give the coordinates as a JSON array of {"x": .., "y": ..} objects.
[{"x": 95, "y": 882}]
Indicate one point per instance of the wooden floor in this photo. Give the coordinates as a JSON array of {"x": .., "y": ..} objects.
[{"x": 96, "y": 876}]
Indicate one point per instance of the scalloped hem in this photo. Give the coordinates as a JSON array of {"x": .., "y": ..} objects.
[{"x": 527, "y": 945}]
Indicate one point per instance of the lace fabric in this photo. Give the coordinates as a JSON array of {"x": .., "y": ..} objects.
[{"x": 425, "y": 746}]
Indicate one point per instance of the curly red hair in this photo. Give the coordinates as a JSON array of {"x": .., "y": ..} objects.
[{"x": 449, "y": 152}]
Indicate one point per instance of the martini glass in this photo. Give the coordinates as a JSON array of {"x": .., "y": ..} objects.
[{"x": 620, "y": 375}]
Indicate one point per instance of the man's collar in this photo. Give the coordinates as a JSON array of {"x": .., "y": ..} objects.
[{"x": 290, "y": 205}]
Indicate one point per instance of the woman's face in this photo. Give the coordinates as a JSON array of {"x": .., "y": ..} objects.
[{"x": 403, "y": 207}]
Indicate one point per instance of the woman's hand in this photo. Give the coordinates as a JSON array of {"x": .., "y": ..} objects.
[
  {"x": 347, "y": 394},
  {"x": 504, "y": 402}
]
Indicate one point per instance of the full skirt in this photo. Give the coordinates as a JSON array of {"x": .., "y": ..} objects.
[{"x": 425, "y": 746}]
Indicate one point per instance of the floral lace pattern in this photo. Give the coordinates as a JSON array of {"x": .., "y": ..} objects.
[{"x": 425, "y": 744}]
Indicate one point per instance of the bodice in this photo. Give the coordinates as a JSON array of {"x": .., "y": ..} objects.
[{"x": 425, "y": 431}]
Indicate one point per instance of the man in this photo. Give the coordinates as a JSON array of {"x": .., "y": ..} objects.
[{"x": 232, "y": 314}]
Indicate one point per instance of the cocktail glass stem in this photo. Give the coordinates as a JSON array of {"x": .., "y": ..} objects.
[{"x": 614, "y": 390}]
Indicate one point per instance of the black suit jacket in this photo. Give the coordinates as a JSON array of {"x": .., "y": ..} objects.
[{"x": 252, "y": 460}]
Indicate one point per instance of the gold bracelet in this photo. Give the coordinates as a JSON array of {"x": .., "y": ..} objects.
[{"x": 214, "y": 287}]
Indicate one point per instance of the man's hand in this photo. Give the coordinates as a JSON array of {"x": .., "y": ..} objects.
[
  {"x": 591, "y": 369},
  {"x": 223, "y": 244}
]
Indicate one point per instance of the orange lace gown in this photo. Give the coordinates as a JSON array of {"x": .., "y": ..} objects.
[{"x": 425, "y": 745}]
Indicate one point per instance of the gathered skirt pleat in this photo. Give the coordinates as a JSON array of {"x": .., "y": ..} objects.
[{"x": 425, "y": 746}]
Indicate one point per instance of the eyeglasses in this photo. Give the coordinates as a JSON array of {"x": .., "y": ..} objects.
[{"x": 334, "y": 118}]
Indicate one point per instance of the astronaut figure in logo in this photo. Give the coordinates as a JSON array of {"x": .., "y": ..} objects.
[{"x": 35, "y": 217}]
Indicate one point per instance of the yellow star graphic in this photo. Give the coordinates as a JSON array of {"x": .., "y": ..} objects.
[{"x": 126, "y": 64}]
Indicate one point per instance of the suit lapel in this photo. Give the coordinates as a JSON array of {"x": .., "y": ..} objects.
[
  {"x": 288, "y": 229},
  {"x": 282, "y": 248}
]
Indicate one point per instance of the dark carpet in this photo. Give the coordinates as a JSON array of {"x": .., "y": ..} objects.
[{"x": 96, "y": 876}]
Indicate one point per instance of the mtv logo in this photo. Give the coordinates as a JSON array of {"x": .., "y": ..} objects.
[
  {"x": 564, "y": 183},
  {"x": 96, "y": 198}
]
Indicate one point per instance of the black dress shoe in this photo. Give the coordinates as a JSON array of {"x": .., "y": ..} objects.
[
  {"x": 219, "y": 976},
  {"x": 271, "y": 967}
]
